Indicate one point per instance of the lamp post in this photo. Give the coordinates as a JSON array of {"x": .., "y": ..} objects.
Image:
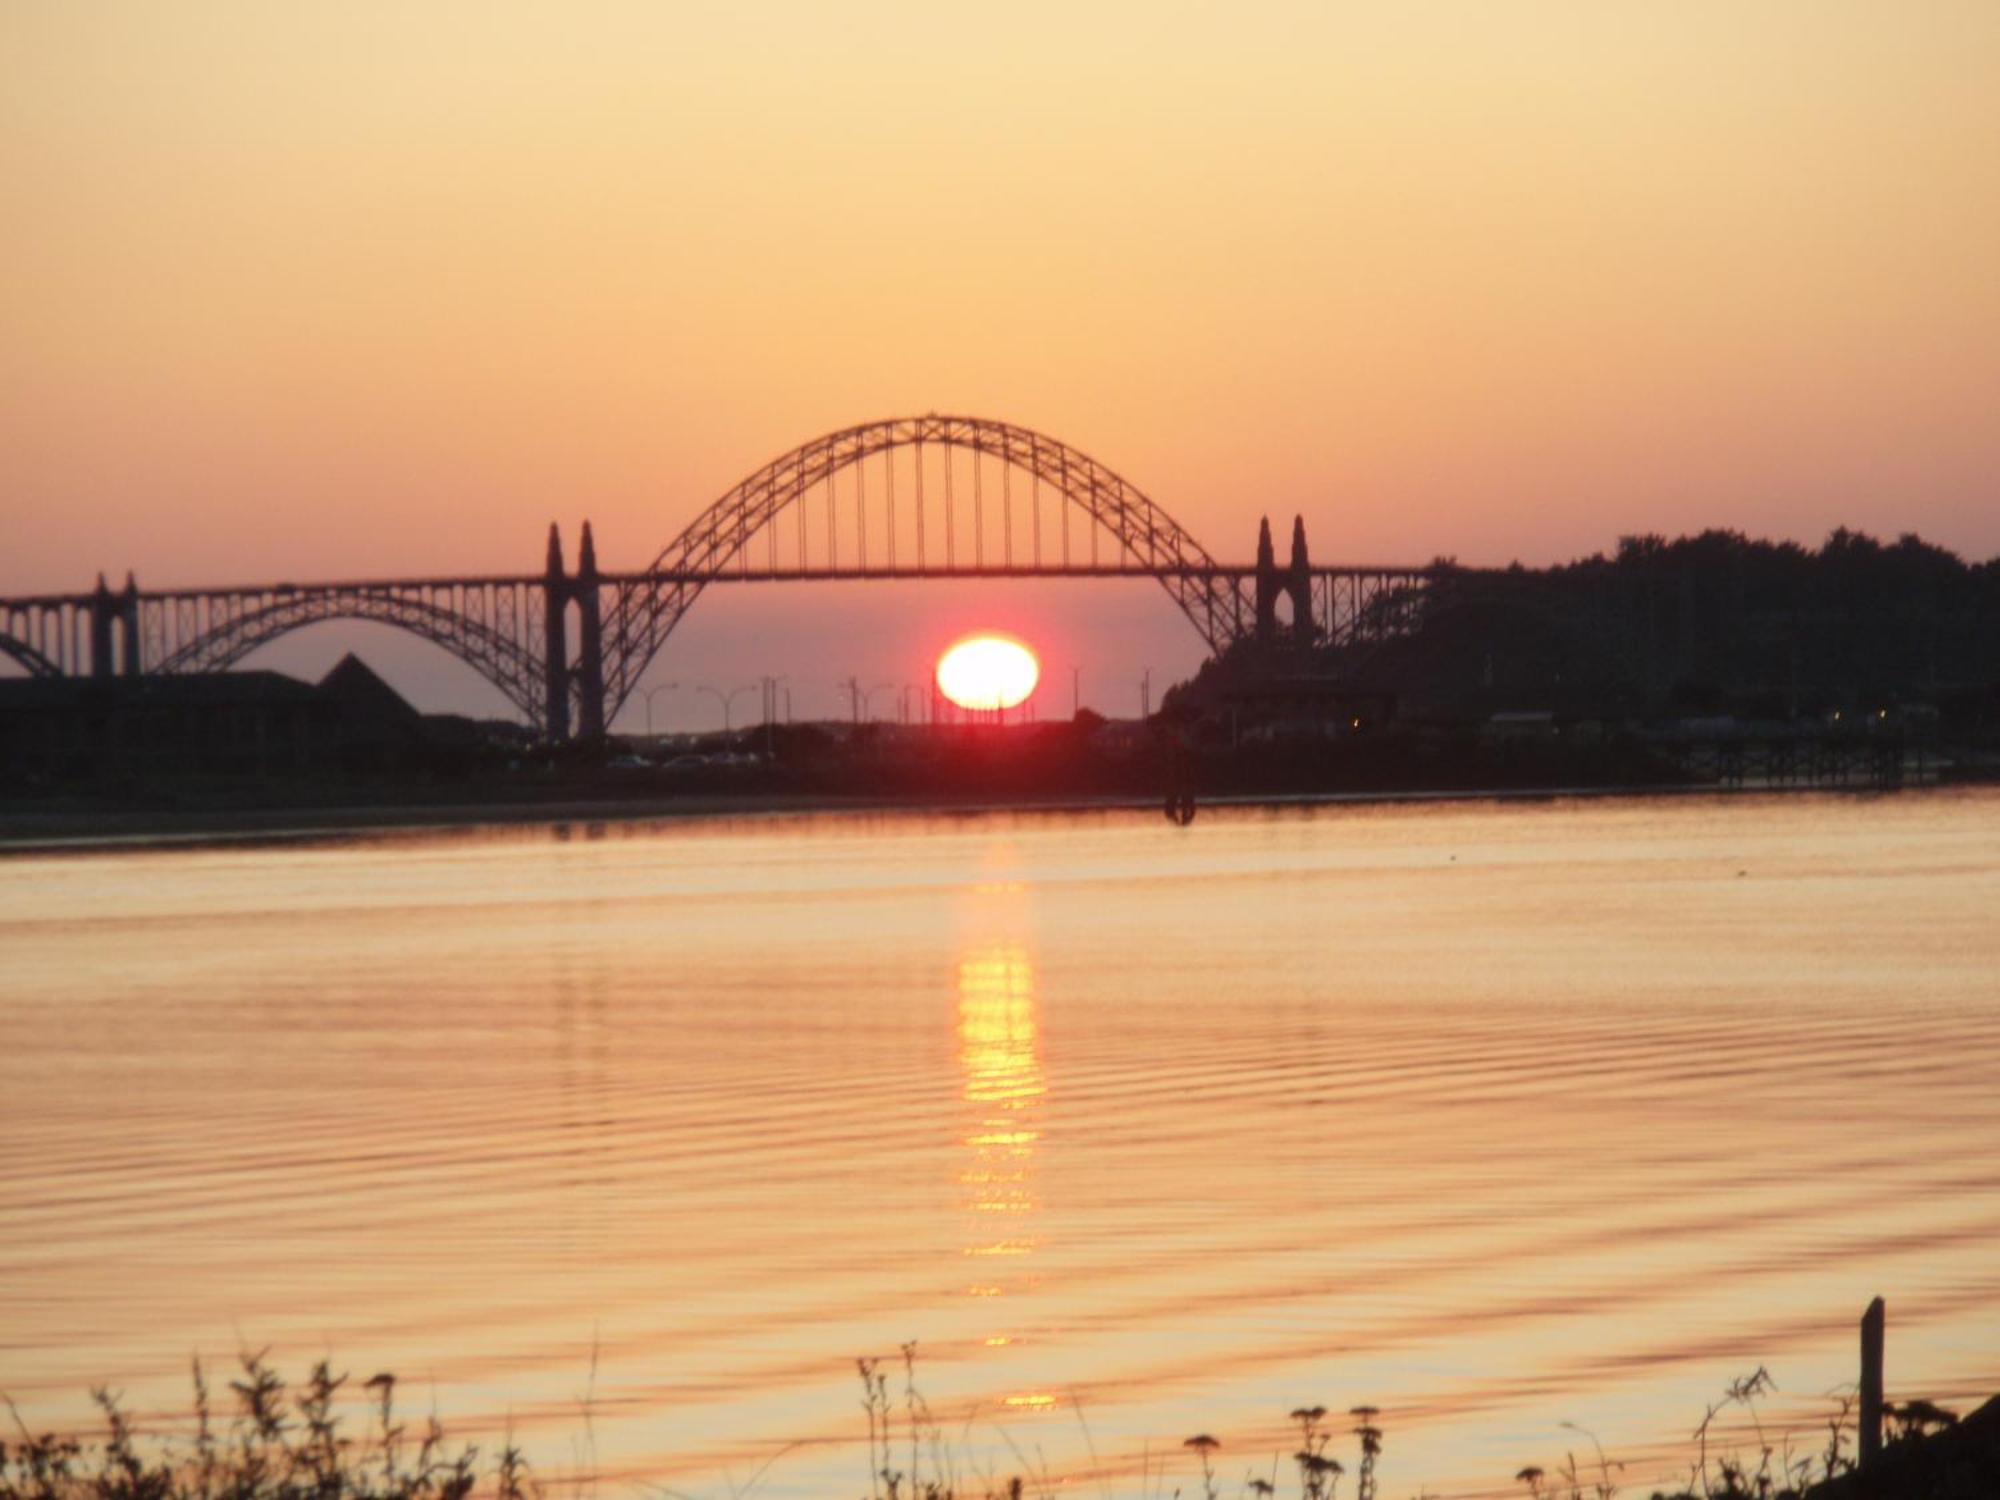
[
  {"x": 656, "y": 688},
  {"x": 771, "y": 690},
  {"x": 724, "y": 698}
]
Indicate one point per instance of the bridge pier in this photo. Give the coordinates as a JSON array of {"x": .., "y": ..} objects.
[
  {"x": 1298, "y": 584},
  {"x": 1295, "y": 584},
  {"x": 103, "y": 610},
  {"x": 583, "y": 678},
  {"x": 1267, "y": 585},
  {"x": 590, "y": 656},
  {"x": 555, "y": 641},
  {"x": 129, "y": 661}
]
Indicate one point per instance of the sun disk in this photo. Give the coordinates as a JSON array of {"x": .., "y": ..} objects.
[{"x": 988, "y": 672}]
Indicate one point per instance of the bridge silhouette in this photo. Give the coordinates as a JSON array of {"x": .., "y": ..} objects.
[{"x": 930, "y": 497}]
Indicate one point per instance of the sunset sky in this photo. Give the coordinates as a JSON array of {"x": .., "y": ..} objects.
[{"x": 293, "y": 291}]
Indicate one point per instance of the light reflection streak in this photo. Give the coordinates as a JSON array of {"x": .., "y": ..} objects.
[{"x": 1000, "y": 1064}]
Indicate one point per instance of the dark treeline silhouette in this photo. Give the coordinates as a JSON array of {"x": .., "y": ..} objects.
[{"x": 1711, "y": 623}]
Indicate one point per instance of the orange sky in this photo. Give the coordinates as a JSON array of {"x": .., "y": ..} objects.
[{"x": 300, "y": 290}]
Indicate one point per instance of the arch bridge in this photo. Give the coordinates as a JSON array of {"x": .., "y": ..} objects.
[{"x": 926, "y": 497}]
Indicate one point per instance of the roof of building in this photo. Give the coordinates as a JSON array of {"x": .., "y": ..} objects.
[
  {"x": 360, "y": 690},
  {"x": 205, "y": 689}
]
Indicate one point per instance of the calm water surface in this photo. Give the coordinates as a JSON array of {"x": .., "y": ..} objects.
[{"x": 1495, "y": 1116}]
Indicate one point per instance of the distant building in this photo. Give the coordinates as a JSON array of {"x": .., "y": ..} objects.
[
  {"x": 376, "y": 728},
  {"x": 111, "y": 729}
]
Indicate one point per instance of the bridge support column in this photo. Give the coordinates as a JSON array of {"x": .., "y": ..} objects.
[
  {"x": 555, "y": 641},
  {"x": 129, "y": 661},
  {"x": 1267, "y": 585},
  {"x": 1299, "y": 585},
  {"x": 590, "y": 658},
  {"x": 103, "y": 610}
]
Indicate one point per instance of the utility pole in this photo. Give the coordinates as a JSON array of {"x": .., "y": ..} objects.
[
  {"x": 1869, "y": 1445},
  {"x": 1146, "y": 694},
  {"x": 853, "y": 686},
  {"x": 770, "y": 711},
  {"x": 657, "y": 688},
  {"x": 1075, "y": 691}
]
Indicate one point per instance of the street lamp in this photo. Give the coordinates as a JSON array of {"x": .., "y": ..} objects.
[
  {"x": 725, "y": 698},
  {"x": 658, "y": 688},
  {"x": 771, "y": 689}
]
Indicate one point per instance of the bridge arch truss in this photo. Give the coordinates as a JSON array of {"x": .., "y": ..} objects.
[
  {"x": 35, "y": 662},
  {"x": 493, "y": 626},
  {"x": 1144, "y": 540},
  {"x": 831, "y": 508}
]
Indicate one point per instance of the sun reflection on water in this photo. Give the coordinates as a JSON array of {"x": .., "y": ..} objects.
[{"x": 999, "y": 1056}]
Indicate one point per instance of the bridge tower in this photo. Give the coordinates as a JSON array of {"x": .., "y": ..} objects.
[
  {"x": 555, "y": 641},
  {"x": 103, "y": 609},
  {"x": 1298, "y": 583},
  {"x": 128, "y": 628},
  {"x": 590, "y": 627},
  {"x": 1267, "y": 585}
]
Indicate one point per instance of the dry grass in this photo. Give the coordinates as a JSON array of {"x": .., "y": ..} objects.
[
  {"x": 282, "y": 1443},
  {"x": 292, "y": 1443}
]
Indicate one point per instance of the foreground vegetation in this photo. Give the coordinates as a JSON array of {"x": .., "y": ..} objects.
[
  {"x": 293, "y": 1443},
  {"x": 282, "y": 1443}
]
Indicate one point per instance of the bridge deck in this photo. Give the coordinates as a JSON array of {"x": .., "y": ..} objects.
[{"x": 733, "y": 574}]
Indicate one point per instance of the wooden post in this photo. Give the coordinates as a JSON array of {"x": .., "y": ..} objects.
[{"x": 1871, "y": 1382}]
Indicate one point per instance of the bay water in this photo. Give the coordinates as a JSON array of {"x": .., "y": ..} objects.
[{"x": 631, "y": 1138}]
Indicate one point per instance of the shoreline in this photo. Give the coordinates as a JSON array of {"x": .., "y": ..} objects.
[{"x": 85, "y": 831}]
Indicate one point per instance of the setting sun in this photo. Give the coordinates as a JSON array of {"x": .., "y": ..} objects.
[{"x": 988, "y": 672}]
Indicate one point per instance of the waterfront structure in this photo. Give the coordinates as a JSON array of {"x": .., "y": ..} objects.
[{"x": 567, "y": 648}]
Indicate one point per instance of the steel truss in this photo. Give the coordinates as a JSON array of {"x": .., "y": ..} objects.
[
  {"x": 645, "y": 609},
  {"x": 514, "y": 630}
]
